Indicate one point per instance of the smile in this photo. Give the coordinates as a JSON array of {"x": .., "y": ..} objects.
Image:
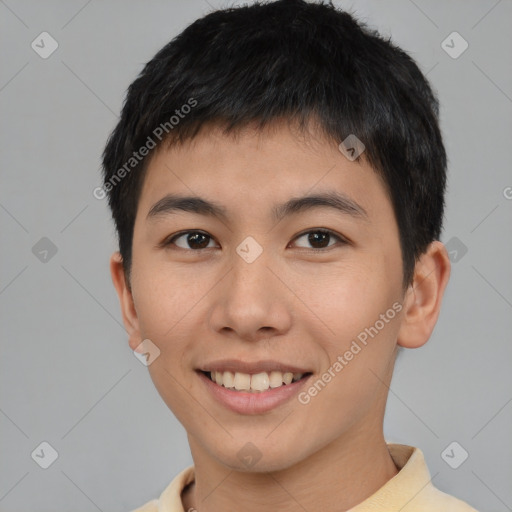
[
  {"x": 277, "y": 388},
  {"x": 255, "y": 383}
]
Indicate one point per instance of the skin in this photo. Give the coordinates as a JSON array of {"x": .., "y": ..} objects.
[{"x": 291, "y": 304}]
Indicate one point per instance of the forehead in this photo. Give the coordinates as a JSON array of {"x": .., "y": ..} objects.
[{"x": 252, "y": 170}]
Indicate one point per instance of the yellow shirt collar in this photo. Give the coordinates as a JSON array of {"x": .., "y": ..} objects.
[{"x": 410, "y": 490}]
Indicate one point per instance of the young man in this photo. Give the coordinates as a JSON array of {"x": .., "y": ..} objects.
[{"x": 277, "y": 182}]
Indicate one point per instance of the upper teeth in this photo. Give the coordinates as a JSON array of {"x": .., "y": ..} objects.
[{"x": 256, "y": 382}]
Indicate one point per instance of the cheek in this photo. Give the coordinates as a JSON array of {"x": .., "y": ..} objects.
[
  {"x": 172, "y": 305},
  {"x": 166, "y": 312},
  {"x": 343, "y": 298},
  {"x": 352, "y": 379},
  {"x": 354, "y": 311},
  {"x": 162, "y": 297}
]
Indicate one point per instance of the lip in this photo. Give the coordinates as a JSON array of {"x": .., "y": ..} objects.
[
  {"x": 252, "y": 403},
  {"x": 235, "y": 365}
]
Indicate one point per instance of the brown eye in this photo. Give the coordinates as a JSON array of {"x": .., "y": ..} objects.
[
  {"x": 195, "y": 240},
  {"x": 320, "y": 238}
]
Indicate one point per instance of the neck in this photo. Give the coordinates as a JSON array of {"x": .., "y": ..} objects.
[{"x": 336, "y": 478}]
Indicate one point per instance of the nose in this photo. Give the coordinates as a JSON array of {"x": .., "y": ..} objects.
[{"x": 252, "y": 303}]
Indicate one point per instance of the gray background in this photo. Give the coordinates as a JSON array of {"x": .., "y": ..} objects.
[{"x": 68, "y": 376}]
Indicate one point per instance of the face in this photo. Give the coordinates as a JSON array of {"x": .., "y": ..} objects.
[{"x": 298, "y": 291}]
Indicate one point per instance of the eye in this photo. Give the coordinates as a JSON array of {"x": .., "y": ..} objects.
[
  {"x": 320, "y": 238},
  {"x": 195, "y": 240}
]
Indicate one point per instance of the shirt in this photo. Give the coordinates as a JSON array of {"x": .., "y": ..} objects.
[{"x": 410, "y": 490}]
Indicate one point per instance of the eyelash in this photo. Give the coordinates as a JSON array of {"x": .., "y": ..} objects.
[{"x": 343, "y": 241}]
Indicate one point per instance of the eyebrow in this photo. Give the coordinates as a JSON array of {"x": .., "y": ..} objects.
[{"x": 172, "y": 203}]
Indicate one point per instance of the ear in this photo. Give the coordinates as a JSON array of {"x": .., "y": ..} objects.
[
  {"x": 130, "y": 320},
  {"x": 423, "y": 298}
]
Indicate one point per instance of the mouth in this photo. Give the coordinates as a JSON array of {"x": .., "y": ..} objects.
[
  {"x": 252, "y": 393},
  {"x": 260, "y": 382}
]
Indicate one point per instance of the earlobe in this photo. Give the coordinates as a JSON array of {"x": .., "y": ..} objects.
[
  {"x": 423, "y": 299},
  {"x": 124, "y": 293}
]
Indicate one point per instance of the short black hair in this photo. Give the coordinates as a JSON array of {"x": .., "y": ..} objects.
[{"x": 298, "y": 61}]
